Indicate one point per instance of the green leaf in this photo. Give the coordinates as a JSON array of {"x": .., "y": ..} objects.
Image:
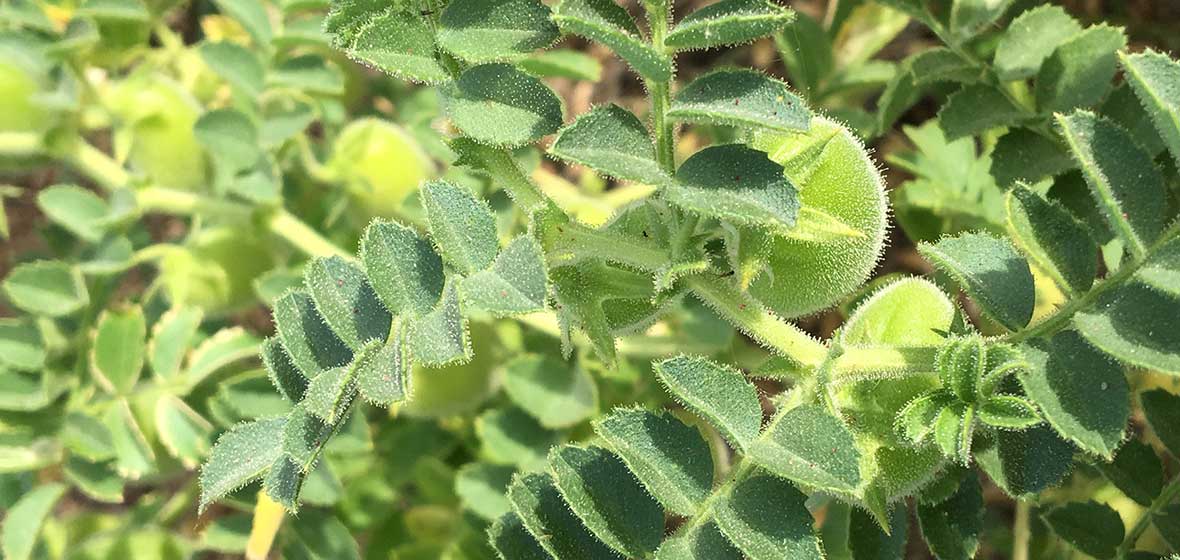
[
  {"x": 671, "y": 459},
  {"x": 511, "y": 540},
  {"x": 612, "y": 141},
  {"x": 736, "y": 183},
  {"x": 868, "y": 542},
  {"x": 347, "y": 302},
  {"x": 172, "y": 336},
  {"x": 330, "y": 393},
  {"x": 1162, "y": 410},
  {"x": 556, "y": 393},
  {"x": 499, "y": 105},
  {"x": 403, "y": 268},
  {"x": 1126, "y": 185},
  {"x": 230, "y": 136},
  {"x": 240, "y": 455},
  {"x": 1027, "y": 462},
  {"x": 1008, "y": 412},
  {"x": 942, "y": 65},
  {"x": 461, "y": 225},
  {"x": 745, "y": 98},
  {"x": 21, "y": 346},
  {"x": 76, "y": 209},
  {"x": 87, "y": 436},
  {"x": 811, "y": 447},
  {"x": 509, "y": 436},
  {"x": 98, "y": 481},
  {"x": 916, "y": 421},
  {"x": 384, "y": 379},
  {"x": 1162, "y": 269},
  {"x": 1082, "y": 394},
  {"x": 1135, "y": 323},
  {"x": 236, "y": 65},
  {"x": 719, "y": 394},
  {"x": 184, "y": 433},
  {"x": 134, "y": 457},
  {"x": 728, "y": 22},
  {"x": 1030, "y": 39},
  {"x": 303, "y": 436},
  {"x": 1090, "y": 527},
  {"x": 1024, "y": 155},
  {"x": 24, "y": 391},
  {"x": 494, "y": 30},
  {"x": 284, "y": 482},
  {"x": 969, "y": 17},
  {"x": 395, "y": 42},
  {"x": 1156, "y": 80},
  {"x": 282, "y": 371},
  {"x": 562, "y": 63},
  {"x": 991, "y": 271},
  {"x": 481, "y": 489},
  {"x": 515, "y": 283},
  {"x": 225, "y": 347},
  {"x": 117, "y": 354},
  {"x": 606, "y": 22},
  {"x": 253, "y": 18},
  {"x": 23, "y": 521},
  {"x": 440, "y": 337},
  {"x": 1055, "y": 240},
  {"x": 608, "y": 499},
  {"x": 1080, "y": 70},
  {"x": 951, "y": 528},
  {"x": 548, "y": 518},
  {"x": 310, "y": 73},
  {"x": 806, "y": 51},
  {"x": 975, "y": 109},
  {"x": 701, "y": 542},
  {"x": 51, "y": 288},
  {"x": 312, "y": 346},
  {"x": 767, "y": 519},
  {"x": 1136, "y": 471}
]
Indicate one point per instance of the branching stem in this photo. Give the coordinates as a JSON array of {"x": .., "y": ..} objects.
[{"x": 1166, "y": 497}]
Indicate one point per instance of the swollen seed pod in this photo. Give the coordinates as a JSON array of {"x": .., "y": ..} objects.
[
  {"x": 836, "y": 177},
  {"x": 380, "y": 164},
  {"x": 18, "y": 112},
  {"x": 156, "y": 118},
  {"x": 216, "y": 269}
]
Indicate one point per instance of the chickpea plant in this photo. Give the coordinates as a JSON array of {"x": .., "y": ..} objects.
[{"x": 506, "y": 366}]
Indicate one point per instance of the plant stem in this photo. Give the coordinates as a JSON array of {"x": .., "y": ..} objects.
[
  {"x": 1166, "y": 497},
  {"x": 759, "y": 323},
  {"x": 1020, "y": 531},
  {"x": 19, "y": 144},
  {"x": 578, "y": 242},
  {"x": 658, "y": 13}
]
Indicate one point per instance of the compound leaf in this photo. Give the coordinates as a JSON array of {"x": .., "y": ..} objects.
[
  {"x": 514, "y": 284},
  {"x": 1136, "y": 471},
  {"x": 403, "y": 268},
  {"x": 736, "y": 183},
  {"x": 236, "y": 64},
  {"x": 500, "y": 105},
  {"x": 1053, "y": 238},
  {"x": 481, "y": 488},
  {"x": 612, "y": 141},
  {"x": 991, "y": 271},
  {"x": 811, "y": 447},
  {"x": 548, "y": 518},
  {"x": 21, "y": 346},
  {"x": 172, "y": 336},
  {"x": 494, "y": 30},
  {"x": 346, "y": 301},
  {"x": 1024, "y": 463},
  {"x": 671, "y": 459},
  {"x": 461, "y": 225},
  {"x": 511, "y": 540},
  {"x": 728, "y": 22},
  {"x": 1030, "y": 39},
  {"x": 766, "y": 517},
  {"x": 952, "y": 527},
  {"x": 309, "y": 341},
  {"x": 740, "y": 98},
  {"x": 76, "y": 209},
  {"x": 282, "y": 371},
  {"x": 383, "y": 380},
  {"x": 1080, "y": 71},
  {"x": 606, "y": 22},
  {"x": 701, "y": 542},
  {"x": 1024, "y": 155},
  {"x": 1083, "y": 395},
  {"x": 1156, "y": 80},
  {"x": 395, "y": 42},
  {"x": 721, "y": 395},
  {"x": 440, "y": 338},
  {"x": 51, "y": 288},
  {"x": 607, "y": 498},
  {"x": 117, "y": 356},
  {"x": 1090, "y": 527},
  {"x": 23, "y": 521},
  {"x": 975, "y": 109},
  {"x": 1123, "y": 180},
  {"x": 240, "y": 455}
]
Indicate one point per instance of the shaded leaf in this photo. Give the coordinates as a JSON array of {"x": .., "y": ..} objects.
[
  {"x": 541, "y": 509},
  {"x": 1156, "y": 80},
  {"x": 1027, "y": 462},
  {"x": 719, "y": 394},
  {"x": 975, "y": 109},
  {"x": 1162, "y": 410},
  {"x": 612, "y": 141},
  {"x": 728, "y": 22},
  {"x": 1080, "y": 70},
  {"x": 402, "y": 267},
  {"x": 991, "y": 271},
  {"x": 1053, "y": 238},
  {"x": 312, "y": 346},
  {"x": 608, "y": 23},
  {"x": 1136, "y": 471},
  {"x": 767, "y": 519},
  {"x": 1090, "y": 527},
  {"x": 736, "y": 183},
  {"x": 1136, "y": 324},
  {"x": 1030, "y": 39},
  {"x": 500, "y": 105},
  {"x": 461, "y": 225},
  {"x": 811, "y": 447},
  {"x": 951, "y": 528},
  {"x": 491, "y": 30},
  {"x": 740, "y": 98}
]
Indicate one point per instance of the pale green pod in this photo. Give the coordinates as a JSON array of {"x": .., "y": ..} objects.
[{"x": 836, "y": 177}]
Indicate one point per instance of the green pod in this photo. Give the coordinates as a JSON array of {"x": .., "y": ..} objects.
[
  {"x": 18, "y": 112},
  {"x": 835, "y": 177},
  {"x": 215, "y": 270},
  {"x": 380, "y": 164},
  {"x": 156, "y": 118},
  {"x": 960, "y": 365}
]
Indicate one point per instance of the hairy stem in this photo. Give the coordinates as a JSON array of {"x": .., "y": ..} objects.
[
  {"x": 1020, "y": 531},
  {"x": 1169, "y": 495},
  {"x": 658, "y": 13}
]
